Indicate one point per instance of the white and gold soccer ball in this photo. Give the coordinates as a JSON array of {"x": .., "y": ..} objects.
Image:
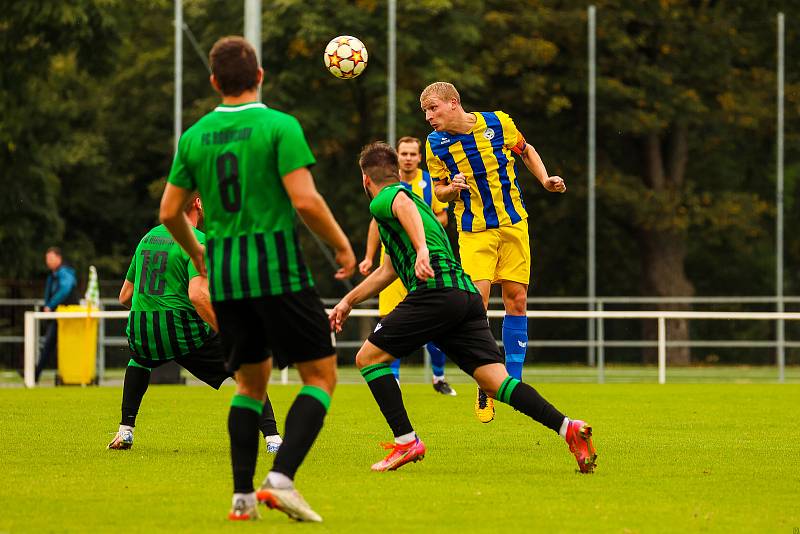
[{"x": 345, "y": 57}]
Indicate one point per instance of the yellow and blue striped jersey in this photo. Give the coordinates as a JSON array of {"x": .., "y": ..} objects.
[
  {"x": 483, "y": 155},
  {"x": 422, "y": 186}
]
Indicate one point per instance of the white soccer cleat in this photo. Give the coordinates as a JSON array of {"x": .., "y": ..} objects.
[
  {"x": 288, "y": 501},
  {"x": 244, "y": 510},
  {"x": 123, "y": 440},
  {"x": 273, "y": 443}
]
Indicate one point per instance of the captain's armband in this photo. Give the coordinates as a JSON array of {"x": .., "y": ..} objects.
[{"x": 519, "y": 148}]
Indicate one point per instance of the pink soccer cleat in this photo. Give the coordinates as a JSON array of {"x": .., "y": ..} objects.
[
  {"x": 579, "y": 439},
  {"x": 400, "y": 455}
]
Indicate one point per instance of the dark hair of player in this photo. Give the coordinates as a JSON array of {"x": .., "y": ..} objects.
[
  {"x": 379, "y": 161},
  {"x": 55, "y": 250},
  {"x": 234, "y": 64}
]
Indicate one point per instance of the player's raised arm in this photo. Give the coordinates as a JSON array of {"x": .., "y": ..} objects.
[
  {"x": 532, "y": 160},
  {"x": 316, "y": 214},
  {"x": 406, "y": 212}
]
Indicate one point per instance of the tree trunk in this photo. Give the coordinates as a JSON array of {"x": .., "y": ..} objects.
[
  {"x": 663, "y": 256},
  {"x": 664, "y": 251}
]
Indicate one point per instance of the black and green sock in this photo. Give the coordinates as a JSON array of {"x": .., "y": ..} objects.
[
  {"x": 527, "y": 400},
  {"x": 387, "y": 394},
  {"x": 268, "y": 425},
  {"x": 303, "y": 424},
  {"x": 137, "y": 378},
  {"x": 243, "y": 420}
]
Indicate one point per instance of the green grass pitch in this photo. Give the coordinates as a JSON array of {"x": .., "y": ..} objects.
[{"x": 672, "y": 458}]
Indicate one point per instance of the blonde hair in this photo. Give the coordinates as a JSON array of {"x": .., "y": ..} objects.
[{"x": 444, "y": 90}]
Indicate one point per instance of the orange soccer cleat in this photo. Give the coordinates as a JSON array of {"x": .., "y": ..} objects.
[
  {"x": 579, "y": 439},
  {"x": 400, "y": 455}
]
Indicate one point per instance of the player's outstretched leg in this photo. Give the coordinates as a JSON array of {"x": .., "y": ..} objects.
[
  {"x": 438, "y": 358},
  {"x": 494, "y": 379},
  {"x": 137, "y": 379},
  {"x": 303, "y": 424},
  {"x": 407, "y": 447},
  {"x": 269, "y": 428}
]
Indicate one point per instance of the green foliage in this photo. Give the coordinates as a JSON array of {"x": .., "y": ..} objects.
[
  {"x": 87, "y": 95},
  {"x": 40, "y": 137}
]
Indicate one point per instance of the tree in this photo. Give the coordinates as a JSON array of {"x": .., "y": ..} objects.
[{"x": 39, "y": 42}]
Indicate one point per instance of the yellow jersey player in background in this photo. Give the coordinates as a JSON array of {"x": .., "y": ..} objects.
[
  {"x": 418, "y": 181},
  {"x": 469, "y": 157}
]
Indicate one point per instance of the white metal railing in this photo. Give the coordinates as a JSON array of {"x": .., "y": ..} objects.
[
  {"x": 594, "y": 343},
  {"x": 32, "y": 318},
  {"x": 31, "y": 324}
]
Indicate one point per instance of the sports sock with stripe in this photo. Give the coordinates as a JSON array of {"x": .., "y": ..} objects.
[
  {"x": 243, "y": 419},
  {"x": 527, "y": 400},
  {"x": 515, "y": 343},
  {"x": 303, "y": 424},
  {"x": 387, "y": 394},
  {"x": 137, "y": 378},
  {"x": 437, "y": 359},
  {"x": 267, "y": 424}
]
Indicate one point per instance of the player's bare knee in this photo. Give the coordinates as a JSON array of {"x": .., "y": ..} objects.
[
  {"x": 324, "y": 380},
  {"x": 490, "y": 377},
  {"x": 325, "y": 383},
  {"x": 319, "y": 373},
  {"x": 370, "y": 357},
  {"x": 516, "y": 304},
  {"x": 255, "y": 390},
  {"x": 363, "y": 360}
]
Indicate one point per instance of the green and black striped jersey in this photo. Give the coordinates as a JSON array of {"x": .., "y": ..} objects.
[
  {"x": 163, "y": 323},
  {"x": 448, "y": 271},
  {"x": 235, "y": 157}
]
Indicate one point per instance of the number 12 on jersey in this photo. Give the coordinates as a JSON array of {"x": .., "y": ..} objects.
[{"x": 156, "y": 263}]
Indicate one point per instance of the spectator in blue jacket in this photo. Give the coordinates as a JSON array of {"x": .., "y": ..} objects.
[{"x": 61, "y": 288}]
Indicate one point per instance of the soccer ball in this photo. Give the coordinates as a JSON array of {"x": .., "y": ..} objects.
[{"x": 345, "y": 57}]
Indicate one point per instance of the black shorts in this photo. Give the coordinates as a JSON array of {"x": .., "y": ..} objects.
[
  {"x": 293, "y": 327},
  {"x": 455, "y": 320},
  {"x": 206, "y": 363}
]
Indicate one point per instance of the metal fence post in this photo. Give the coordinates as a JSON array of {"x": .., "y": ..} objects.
[
  {"x": 662, "y": 350},
  {"x": 30, "y": 349},
  {"x": 591, "y": 266},
  {"x": 780, "y": 326},
  {"x": 601, "y": 355},
  {"x": 101, "y": 349}
]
